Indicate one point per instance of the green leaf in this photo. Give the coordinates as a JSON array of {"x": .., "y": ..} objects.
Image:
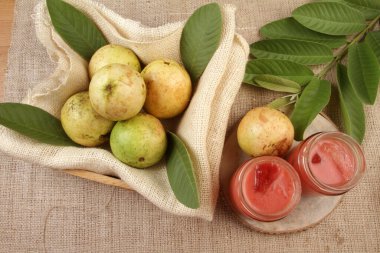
[
  {"x": 181, "y": 172},
  {"x": 330, "y": 18},
  {"x": 77, "y": 30},
  {"x": 366, "y": 7},
  {"x": 248, "y": 79},
  {"x": 373, "y": 4},
  {"x": 334, "y": 1},
  {"x": 369, "y": 8},
  {"x": 303, "y": 52},
  {"x": 313, "y": 99},
  {"x": 289, "y": 28},
  {"x": 280, "y": 102},
  {"x": 200, "y": 39},
  {"x": 373, "y": 41},
  {"x": 282, "y": 68},
  {"x": 276, "y": 83},
  {"x": 350, "y": 105},
  {"x": 363, "y": 72},
  {"x": 34, "y": 123}
]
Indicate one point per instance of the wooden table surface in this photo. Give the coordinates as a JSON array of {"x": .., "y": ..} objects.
[{"x": 6, "y": 18}]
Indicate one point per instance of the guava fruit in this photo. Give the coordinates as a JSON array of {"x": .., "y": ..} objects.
[
  {"x": 82, "y": 123},
  {"x": 111, "y": 53},
  {"x": 140, "y": 141},
  {"x": 265, "y": 131},
  {"x": 117, "y": 92},
  {"x": 168, "y": 88}
]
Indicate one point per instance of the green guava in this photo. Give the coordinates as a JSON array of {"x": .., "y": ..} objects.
[
  {"x": 168, "y": 88},
  {"x": 82, "y": 124},
  {"x": 113, "y": 54},
  {"x": 117, "y": 92},
  {"x": 140, "y": 141}
]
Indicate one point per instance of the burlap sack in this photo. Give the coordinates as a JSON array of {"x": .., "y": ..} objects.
[{"x": 202, "y": 127}]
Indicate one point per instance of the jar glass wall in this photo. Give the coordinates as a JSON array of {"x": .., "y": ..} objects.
[
  {"x": 329, "y": 163},
  {"x": 265, "y": 188}
]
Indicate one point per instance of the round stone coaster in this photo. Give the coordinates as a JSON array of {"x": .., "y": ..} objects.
[{"x": 311, "y": 210}]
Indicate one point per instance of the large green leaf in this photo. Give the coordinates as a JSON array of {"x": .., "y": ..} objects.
[
  {"x": 303, "y": 52},
  {"x": 350, "y": 105},
  {"x": 282, "y": 68},
  {"x": 77, "y": 30},
  {"x": 335, "y": 1},
  {"x": 200, "y": 38},
  {"x": 248, "y": 78},
  {"x": 366, "y": 7},
  {"x": 181, "y": 172},
  {"x": 363, "y": 72},
  {"x": 34, "y": 123},
  {"x": 373, "y": 41},
  {"x": 330, "y": 18},
  {"x": 313, "y": 99},
  {"x": 372, "y": 4},
  {"x": 289, "y": 28},
  {"x": 369, "y": 8},
  {"x": 276, "y": 83}
]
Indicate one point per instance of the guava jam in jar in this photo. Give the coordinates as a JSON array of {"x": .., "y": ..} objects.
[
  {"x": 329, "y": 163},
  {"x": 266, "y": 188}
]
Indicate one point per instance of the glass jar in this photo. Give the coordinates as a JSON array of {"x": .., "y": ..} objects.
[
  {"x": 265, "y": 188},
  {"x": 329, "y": 163}
]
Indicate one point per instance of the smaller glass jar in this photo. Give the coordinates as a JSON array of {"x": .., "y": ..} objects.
[
  {"x": 265, "y": 188},
  {"x": 328, "y": 163}
]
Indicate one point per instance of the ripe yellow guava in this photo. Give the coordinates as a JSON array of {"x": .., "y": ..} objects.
[
  {"x": 168, "y": 88},
  {"x": 111, "y": 53},
  {"x": 265, "y": 131},
  {"x": 117, "y": 92},
  {"x": 82, "y": 124}
]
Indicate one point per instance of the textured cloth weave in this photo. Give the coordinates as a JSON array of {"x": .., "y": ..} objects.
[
  {"x": 202, "y": 126},
  {"x": 45, "y": 210}
]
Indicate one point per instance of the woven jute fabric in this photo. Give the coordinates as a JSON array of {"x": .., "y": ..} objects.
[
  {"x": 44, "y": 210},
  {"x": 202, "y": 127}
]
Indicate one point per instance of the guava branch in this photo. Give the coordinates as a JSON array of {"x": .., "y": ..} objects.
[{"x": 343, "y": 51}]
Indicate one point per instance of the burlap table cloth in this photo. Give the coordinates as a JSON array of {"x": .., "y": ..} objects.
[
  {"x": 43, "y": 210},
  {"x": 202, "y": 126}
]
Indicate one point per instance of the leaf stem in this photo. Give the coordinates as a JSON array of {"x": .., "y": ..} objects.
[{"x": 343, "y": 51}]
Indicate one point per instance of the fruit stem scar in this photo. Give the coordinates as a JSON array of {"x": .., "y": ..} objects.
[{"x": 109, "y": 88}]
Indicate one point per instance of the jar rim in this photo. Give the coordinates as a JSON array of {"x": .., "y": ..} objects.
[
  {"x": 296, "y": 182},
  {"x": 349, "y": 142}
]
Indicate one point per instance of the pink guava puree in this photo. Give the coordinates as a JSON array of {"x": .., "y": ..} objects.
[
  {"x": 268, "y": 188},
  {"x": 332, "y": 162}
]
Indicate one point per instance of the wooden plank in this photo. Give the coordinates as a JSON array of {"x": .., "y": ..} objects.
[
  {"x": 5, "y": 34},
  {"x": 98, "y": 178},
  {"x": 6, "y": 19},
  {"x": 6, "y": 10}
]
